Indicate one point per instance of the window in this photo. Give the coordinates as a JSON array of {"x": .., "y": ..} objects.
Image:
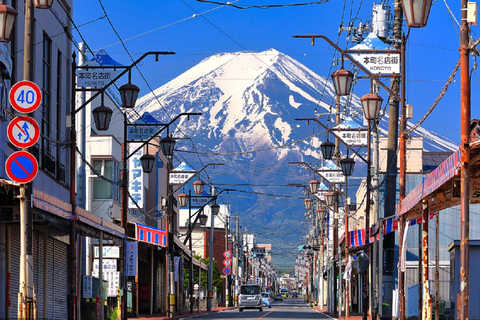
[
  {"x": 104, "y": 189},
  {"x": 46, "y": 91}
]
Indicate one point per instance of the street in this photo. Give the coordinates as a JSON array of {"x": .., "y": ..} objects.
[{"x": 287, "y": 309}]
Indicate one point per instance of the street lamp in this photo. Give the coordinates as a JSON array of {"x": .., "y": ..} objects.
[
  {"x": 327, "y": 148},
  {"x": 167, "y": 144},
  {"x": 7, "y": 20},
  {"x": 215, "y": 209},
  {"x": 342, "y": 81},
  {"x": 147, "y": 161},
  {"x": 102, "y": 116},
  {"x": 329, "y": 198},
  {"x": 43, "y": 4},
  {"x": 314, "y": 185},
  {"x": 129, "y": 94},
  {"x": 347, "y": 165},
  {"x": 416, "y": 12},
  {"x": 371, "y": 103},
  {"x": 198, "y": 187},
  {"x": 182, "y": 199},
  {"x": 308, "y": 204},
  {"x": 203, "y": 219}
]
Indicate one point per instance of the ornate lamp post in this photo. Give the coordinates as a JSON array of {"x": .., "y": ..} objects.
[
  {"x": 7, "y": 21},
  {"x": 308, "y": 204},
  {"x": 314, "y": 185},
  {"x": 342, "y": 82},
  {"x": 147, "y": 161},
  {"x": 42, "y": 4},
  {"x": 328, "y": 149}
]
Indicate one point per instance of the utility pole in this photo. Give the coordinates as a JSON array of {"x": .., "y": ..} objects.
[
  {"x": 237, "y": 247},
  {"x": 227, "y": 278},
  {"x": 210, "y": 256},
  {"x": 26, "y": 300},
  {"x": 465, "y": 159}
]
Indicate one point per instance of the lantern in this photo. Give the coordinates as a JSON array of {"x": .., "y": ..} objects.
[
  {"x": 371, "y": 104},
  {"x": 308, "y": 203},
  {"x": 342, "y": 81},
  {"x": 314, "y": 185},
  {"x": 42, "y": 4},
  {"x": 147, "y": 161},
  {"x": 129, "y": 94},
  {"x": 215, "y": 209},
  {"x": 347, "y": 164},
  {"x": 102, "y": 116},
  {"x": 203, "y": 219},
  {"x": 167, "y": 144},
  {"x": 7, "y": 21},
  {"x": 198, "y": 186},
  {"x": 327, "y": 148},
  {"x": 416, "y": 12},
  {"x": 329, "y": 198},
  {"x": 182, "y": 199}
]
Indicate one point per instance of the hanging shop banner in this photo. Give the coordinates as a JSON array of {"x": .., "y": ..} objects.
[
  {"x": 135, "y": 178},
  {"x": 87, "y": 287},
  {"x": 131, "y": 249}
]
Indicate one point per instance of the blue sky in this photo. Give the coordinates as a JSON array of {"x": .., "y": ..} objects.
[{"x": 171, "y": 25}]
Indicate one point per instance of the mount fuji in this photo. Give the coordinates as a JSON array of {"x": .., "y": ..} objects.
[{"x": 249, "y": 102}]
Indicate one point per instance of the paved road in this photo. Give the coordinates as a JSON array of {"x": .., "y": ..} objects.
[{"x": 287, "y": 309}]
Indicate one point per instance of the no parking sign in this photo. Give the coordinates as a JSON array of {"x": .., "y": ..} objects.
[{"x": 21, "y": 167}]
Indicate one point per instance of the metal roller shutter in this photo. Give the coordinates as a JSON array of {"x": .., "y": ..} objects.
[
  {"x": 14, "y": 268},
  {"x": 38, "y": 269},
  {"x": 51, "y": 267},
  {"x": 57, "y": 279}
]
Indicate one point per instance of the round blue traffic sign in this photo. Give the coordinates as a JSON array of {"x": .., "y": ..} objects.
[
  {"x": 21, "y": 167},
  {"x": 227, "y": 270}
]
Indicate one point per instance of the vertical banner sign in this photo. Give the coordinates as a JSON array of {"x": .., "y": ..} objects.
[
  {"x": 87, "y": 287},
  {"x": 135, "y": 177},
  {"x": 176, "y": 261},
  {"x": 131, "y": 250}
]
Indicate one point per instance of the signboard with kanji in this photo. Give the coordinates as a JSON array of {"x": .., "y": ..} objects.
[
  {"x": 131, "y": 258},
  {"x": 332, "y": 176},
  {"x": 383, "y": 63},
  {"x": 180, "y": 177},
  {"x": 353, "y": 137},
  {"x": 135, "y": 178}
]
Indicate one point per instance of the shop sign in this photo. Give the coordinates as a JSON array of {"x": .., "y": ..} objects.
[{"x": 108, "y": 252}]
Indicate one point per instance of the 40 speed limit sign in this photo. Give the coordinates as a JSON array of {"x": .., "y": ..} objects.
[{"x": 25, "y": 96}]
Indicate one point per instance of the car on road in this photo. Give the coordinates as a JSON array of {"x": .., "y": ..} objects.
[
  {"x": 278, "y": 297},
  {"x": 250, "y": 297},
  {"x": 267, "y": 302}
]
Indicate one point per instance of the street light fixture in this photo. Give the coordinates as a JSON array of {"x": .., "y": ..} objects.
[
  {"x": 321, "y": 213},
  {"x": 43, "y": 4},
  {"x": 371, "y": 104},
  {"x": 182, "y": 200},
  {"x": 147, "y": 161},
  {"x": 314, "y": 185},
  {"x": 129, "y": 94},
  {"x": 167, "y": 144},
  {"x": 198, "y": 187},
  {"x": 329, "y": 198},
  {"x": 416, "y": 12},
  {"x": 342, "y": 81},
  {"x": 308, "y": 203},
  {"x": 102, "y": 116},
  {"x": 327, "y": 148},
  {"x": 215, "y": 209},
  {"x": 7, "y": 20},
  {"x": 203, "y": 219},
  {"x": 347, "y": 164}
]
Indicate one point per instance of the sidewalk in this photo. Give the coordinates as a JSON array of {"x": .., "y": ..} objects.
[
  {"x": 353, "y": 316},
  {"x": 181, "y": 316}
]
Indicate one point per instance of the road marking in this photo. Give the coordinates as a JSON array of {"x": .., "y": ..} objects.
[
  {"x": 324, "y": 314},
  {"x": 265, "y": 314}
]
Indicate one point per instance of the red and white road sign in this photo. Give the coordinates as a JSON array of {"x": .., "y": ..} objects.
[
  {"x": 227, "y": 254},
  {"x": 23, "y": 132},
  {"x": 21, "y": 167},
  {"x": 25, "y": 96},
  {"x": 227, "y": 262}
]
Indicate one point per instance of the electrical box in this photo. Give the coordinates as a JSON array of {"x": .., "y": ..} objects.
[
  {"x": 472, "y": 13},
  {"x": 409, "y": 111}
]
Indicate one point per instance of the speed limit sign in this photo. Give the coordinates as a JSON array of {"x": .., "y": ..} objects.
[{"x": 25, "y": 96}]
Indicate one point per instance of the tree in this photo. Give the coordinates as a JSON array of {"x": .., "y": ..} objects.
[{"x": 216, "y": 278}]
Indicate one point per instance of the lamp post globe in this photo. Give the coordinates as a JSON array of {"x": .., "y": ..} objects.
[
  {"x": 416, "y": 12},
  {"x": 314, "y": 185},
  {"x": 308, "y": 203},
  {"x": 182, "y": 199},
  {"x": 198, "y": 187},
  {"x": 147, "y": 161},
  {"x": 347, "y": 165},
  {"x": 329, "y": 198},
  {"x": 42, "y": 4},
  {"x": 342, "y": 82},
  {"x": 167, "y": 144},
  {"x": 7, "y": 20},
  {"x": 129, "y": 94},
  {"x": 327, "y": 148},
  {"x": 215, "y": 209},
  {"x": 102, "y": 116},
  {"x": 371, "y": 104},
  {"x": 203, "y": 219}
]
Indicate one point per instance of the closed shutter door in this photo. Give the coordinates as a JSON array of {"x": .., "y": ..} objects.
[
  {"x": 38, "y": 269},
  {"x": 14, "y": 269},
  {"x": 61, "y": 280},
  {"x": 57, "y": 280}
]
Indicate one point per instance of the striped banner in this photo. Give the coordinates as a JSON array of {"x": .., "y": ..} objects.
[{"x": 151, "y": 235}]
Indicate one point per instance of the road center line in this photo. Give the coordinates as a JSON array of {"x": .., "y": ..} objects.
[{"x": 266, "y": 314}]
